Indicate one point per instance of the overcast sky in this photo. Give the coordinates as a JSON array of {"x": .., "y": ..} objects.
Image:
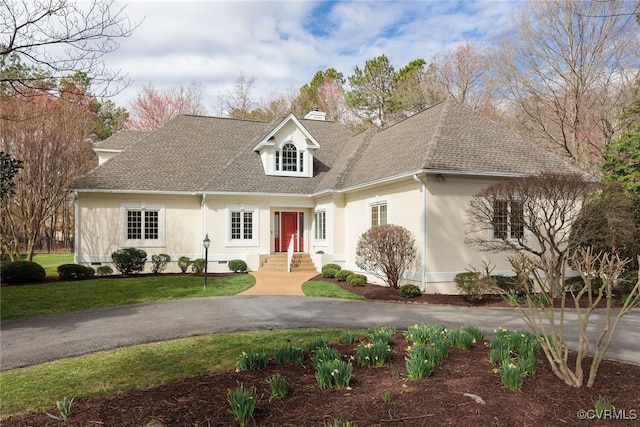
[{"x": 283, "y": 43}]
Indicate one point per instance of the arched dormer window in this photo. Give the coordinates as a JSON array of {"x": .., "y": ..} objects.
[{"x": 289, "y": 159}]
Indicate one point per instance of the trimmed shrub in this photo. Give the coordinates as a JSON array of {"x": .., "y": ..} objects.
[
  {"x": 357, "y": 279},
  {"x": 410, "y": 291},
  {"x": 184, "y": 262},
  {"x": 473, "y": 285},
  {"x": 237, "y": 266},
  {"x": 23, "y": 272},
  {"x": 75, "y": 272},
  {"x": 341, "y": 275},
  {"x": 129, "y": 260},
  {"x": 159, "y": 262},
  {"x": 197, "y": 266},
  {"x": 104, "y": 270},
  {"x": 329, "y": 270}
]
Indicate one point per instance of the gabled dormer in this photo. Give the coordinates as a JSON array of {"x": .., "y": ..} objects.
[{"x": 288, "y": 149}]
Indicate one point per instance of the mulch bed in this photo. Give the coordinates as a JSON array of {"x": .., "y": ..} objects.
[{"x": 434, "y": 401}]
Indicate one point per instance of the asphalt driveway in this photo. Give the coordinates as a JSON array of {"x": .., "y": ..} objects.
[{"x": 35, "y": 340}]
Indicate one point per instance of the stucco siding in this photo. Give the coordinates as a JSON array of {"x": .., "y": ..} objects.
[
  {"x": 403, "y": 201},
  {"x": 448, "y": 253},
  {"x": 101, "y": 225}
]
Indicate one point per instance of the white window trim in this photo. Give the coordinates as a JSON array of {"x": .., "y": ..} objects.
[
  {"x": 306, "y": 158},
  {"x": 376, "y": 202},
  {"x": 255, "y": 240},
  {"x": 315, "y": 225},
  {"x": 142, "y": 243}
]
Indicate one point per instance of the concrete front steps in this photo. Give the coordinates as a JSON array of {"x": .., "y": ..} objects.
[{"x": 278, "y": 262}]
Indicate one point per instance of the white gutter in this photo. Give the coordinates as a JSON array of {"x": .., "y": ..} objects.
[
  {"x": 448, "y": 172},
  {"x": 423, "y": 276}
]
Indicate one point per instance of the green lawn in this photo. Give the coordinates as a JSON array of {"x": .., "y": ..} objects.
[
  {"x": 61, "y": 297},
  {"x": 39, "y": 387},
  {"x": 314, "y": 288},
  {"x": 104, "y": 373},
  {"x": 50, "y": 262}
]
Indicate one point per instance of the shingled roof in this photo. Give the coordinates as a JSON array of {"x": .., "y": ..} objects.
[{"x": 206, "y": 155}]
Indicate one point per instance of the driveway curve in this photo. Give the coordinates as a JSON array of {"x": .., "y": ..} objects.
[{"x": 30, "y": 341}]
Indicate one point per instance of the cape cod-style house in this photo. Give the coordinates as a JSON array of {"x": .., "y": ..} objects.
[{"x": 255, "y": 188}]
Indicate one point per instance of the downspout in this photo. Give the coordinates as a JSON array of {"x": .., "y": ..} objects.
[
  {"x": 76, "y": 227},
  {"x": 423, "y": 279}
]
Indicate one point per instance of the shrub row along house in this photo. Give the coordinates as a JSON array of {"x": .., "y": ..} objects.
[{"x": 255, "y": 188}]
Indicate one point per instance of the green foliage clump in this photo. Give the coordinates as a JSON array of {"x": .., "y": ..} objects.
[
  {"x": 514, "y": 351},
  {"x": 75, "y": 272},
  {"x": 64, "y": 409},
  {"x": 342, "y": 275},
  {"x": 23, "y": 272},
  {"x": 252, "y": 361},
  {"x": 237, "y": 266},
  {"x": 183, "y": 263},
  {"x": 417, "y": 362},
  {"x": 104, "y": 270},
  {"x": 461, "y": 339},
  {"x": 333, "y": 373},
  {"x": 381, "y": 333},
  {"x": 357, "y": 279},
  {"x": 288, "y": 353},
  {"x": 278, "y": 386},
  {"x": 329, "y": 271},
  {"x": 316, "y": 344},
  {"x": 425, "y": 333},
  {"x": 242, "y": 402},
  {"x": 129, "y": 260},
  {"x": 376, "y": 353},
  {"x": 347, "y": 337},
  {"x": 325, "y": 354},
  {"x": 410, "y": 291},
  {"x": 159, "y": 262},
  {"x": 197, "y": 266}
]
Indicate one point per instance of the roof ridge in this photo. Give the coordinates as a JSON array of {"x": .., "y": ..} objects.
[
  {"x": 432, "y": 145},
  {"x": 355, "y": 154}
]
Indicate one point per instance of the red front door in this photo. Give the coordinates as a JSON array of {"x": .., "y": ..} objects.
[
  {"x": 289, "y": 230},
  {"x": 289, "y": 226}
]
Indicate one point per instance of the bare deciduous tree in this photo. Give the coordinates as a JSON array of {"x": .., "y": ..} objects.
[
  {"x": 386, "y": 251},
  {"x": 152, "y": 108},
  {"x": 533, "y": 214},
  {"x": 238, "y": 103},
  {"x": 53, "y": 144},
  {"x": 466, "y": 75},
  {"x": 532, "y": 217},
  {"x": 566, "y": 70},
  {"x": 548, "y": 323},
  {"x": 61, "y": 37}
]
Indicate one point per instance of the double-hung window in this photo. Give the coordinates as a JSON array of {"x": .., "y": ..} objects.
[
  {"x": 378, "y": 214},
  {"x": 242, "y": 223},
  {"x": 142, "y": 225},
  {"x": 508, "y": 219},
  {"x": 321, "y": 225}
]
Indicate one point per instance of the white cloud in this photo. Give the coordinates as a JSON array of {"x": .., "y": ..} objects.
[{"x": 284, "y": 43}]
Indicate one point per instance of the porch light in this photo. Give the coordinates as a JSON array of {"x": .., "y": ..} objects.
[{"x": 206, "y": 243}]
